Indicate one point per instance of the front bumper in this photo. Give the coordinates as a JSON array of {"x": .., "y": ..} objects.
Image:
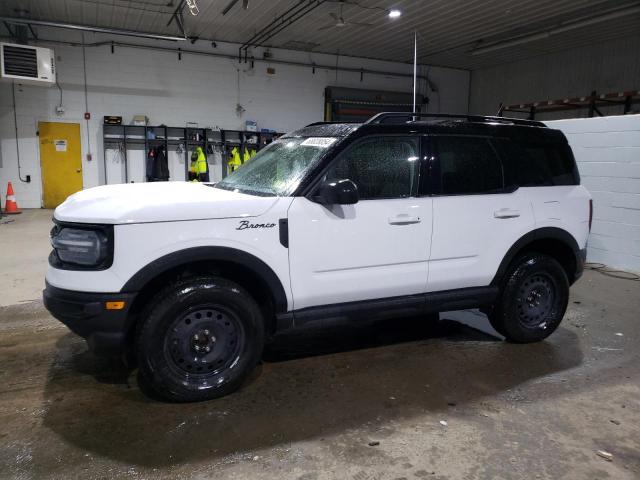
[{"x": 85, "y": 314}]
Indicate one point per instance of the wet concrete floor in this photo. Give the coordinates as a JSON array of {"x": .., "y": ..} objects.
[{"x": 401, "y": 400}]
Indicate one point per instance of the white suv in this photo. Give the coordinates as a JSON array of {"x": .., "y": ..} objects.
[{"x": 402, "y": 215}]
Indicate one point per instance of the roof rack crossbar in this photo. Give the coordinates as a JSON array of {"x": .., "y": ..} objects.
[{"x": 380, "y": 117}]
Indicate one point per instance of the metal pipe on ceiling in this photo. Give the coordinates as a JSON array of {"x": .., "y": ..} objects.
[
  {"x": 182, "y": 51},
  {"x": 267, "y": 35},
  {"x": 90, "y": 28},
  {"x": 292, "y": 15},
  {"x": 300, "y": 3},
  {"x": 229, "y": 7}
]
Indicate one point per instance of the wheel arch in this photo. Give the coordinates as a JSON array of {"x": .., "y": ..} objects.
[
  {"x": 553, "y": 241},
  {"x": 241, "y": 267}
]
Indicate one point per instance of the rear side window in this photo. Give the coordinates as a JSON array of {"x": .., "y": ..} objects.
[
  {"x": 467, "y": 165},
  {"x": 539, "y": 164}
]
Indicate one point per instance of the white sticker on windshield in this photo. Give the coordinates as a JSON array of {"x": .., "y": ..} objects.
[{"x": 323, "y": 142}]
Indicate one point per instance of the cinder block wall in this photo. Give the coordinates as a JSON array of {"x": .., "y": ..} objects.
[
  {"x": 607, "y": 150},
  {"x": 171, "y": 91}
]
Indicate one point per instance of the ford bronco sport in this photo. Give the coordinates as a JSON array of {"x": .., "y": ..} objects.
[{"x": 402, "y": 215}]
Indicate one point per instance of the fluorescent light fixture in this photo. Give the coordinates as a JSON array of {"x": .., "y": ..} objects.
[
  {"x": 560, "y": 28},
  {"x": 394, "y": 13},
  {"x": 90, "y": 28}
]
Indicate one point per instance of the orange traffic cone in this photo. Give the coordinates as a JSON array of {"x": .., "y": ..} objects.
[{"x": 11, "y": 207}]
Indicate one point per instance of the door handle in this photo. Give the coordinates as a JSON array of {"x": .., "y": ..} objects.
[
  {"x": 506, "y": 213},
  {"x": 403, "y": 219},
  {"x": 79, "y": 170}
]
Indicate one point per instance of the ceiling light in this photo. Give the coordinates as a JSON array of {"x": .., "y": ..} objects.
[
  {"x": 193, "y": 7},
  {"x": 394, "y": 13}
]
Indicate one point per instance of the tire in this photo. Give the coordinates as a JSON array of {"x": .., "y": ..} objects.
[
  {"x": 533, "y": 299},
  {"x": 200, "y": 339}
]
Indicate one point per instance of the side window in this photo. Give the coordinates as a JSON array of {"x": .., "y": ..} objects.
[
  {"x": 381, "y": 167},
  {"x": 468, "y": 165},
  {"x": 540, "y": 164}
]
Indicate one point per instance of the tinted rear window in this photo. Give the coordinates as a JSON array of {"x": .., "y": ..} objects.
[
  {"x": 468, "y": 165},
  {"x": 530, "y": 164}
]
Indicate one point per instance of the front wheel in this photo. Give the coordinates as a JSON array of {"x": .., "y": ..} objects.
[
  {"x": 533, "y": 300},
  {"x": 200, "y": 339}
]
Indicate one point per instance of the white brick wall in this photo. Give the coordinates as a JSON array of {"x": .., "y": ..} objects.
[
  {"x": 608, "y": 154},
  {"x": 196, "y": 89}
]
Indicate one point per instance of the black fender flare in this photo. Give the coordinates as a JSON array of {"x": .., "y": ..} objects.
[
  {"x": 538, "y": 234},
  {"x": 197, "y": 254}
]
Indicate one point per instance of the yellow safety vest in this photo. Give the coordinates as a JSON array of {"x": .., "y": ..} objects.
[
  {"x": 234, "y": 161},
  {"x": 198, "y": 166}
]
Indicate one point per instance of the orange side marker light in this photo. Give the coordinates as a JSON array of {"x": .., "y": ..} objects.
[{"x": 114, "y": 305}]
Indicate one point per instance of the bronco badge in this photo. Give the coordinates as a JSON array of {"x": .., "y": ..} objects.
[{"x": 244, "y": 224}]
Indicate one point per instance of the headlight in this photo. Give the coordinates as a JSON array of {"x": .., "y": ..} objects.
[{"x": 76, "y": 246}]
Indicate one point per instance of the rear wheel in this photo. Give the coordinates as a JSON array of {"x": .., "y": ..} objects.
[
  {"x": 533, "y": 300},
  {"x": 200, "y": 339}
]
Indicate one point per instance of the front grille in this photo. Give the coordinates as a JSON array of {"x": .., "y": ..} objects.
[{"x": 21, "y": 62}]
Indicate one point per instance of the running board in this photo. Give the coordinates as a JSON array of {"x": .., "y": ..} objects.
[{"x": 394, "y": 307}]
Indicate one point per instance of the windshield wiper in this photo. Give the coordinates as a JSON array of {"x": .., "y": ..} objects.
[{"x": 261, "y": 193}]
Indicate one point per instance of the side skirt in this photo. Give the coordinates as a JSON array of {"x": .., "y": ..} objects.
[{"x": 394, "y": 307}]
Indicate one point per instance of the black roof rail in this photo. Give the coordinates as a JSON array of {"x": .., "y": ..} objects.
[
  {"x": 330, "y": 123},
  {"x": 413, "y": 117}
]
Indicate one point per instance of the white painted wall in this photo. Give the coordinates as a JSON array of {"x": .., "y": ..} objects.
[
  {"x": 608, "y": 67},
  {"x": 196, "y": 89},
  {"x": 608, "y": 154}
]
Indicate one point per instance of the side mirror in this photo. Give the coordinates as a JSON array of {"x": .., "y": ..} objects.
[{"x": 337, "y": 192}]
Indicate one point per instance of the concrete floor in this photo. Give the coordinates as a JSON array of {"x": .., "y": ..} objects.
[
  {"x": 321, "y": 401},
  {"x": 24, "y": 249}
]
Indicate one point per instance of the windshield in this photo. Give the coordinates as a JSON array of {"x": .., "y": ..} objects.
[{"x": 277, "y": 169}]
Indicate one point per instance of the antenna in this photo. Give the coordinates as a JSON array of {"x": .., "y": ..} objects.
[{"x": 415, "y": 66}]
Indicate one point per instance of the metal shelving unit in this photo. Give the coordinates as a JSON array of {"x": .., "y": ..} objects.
[
  {"x": 125, "y": 137},
  {"x": 194, "y": 137},
  {"x": 232, "y": 138},
  {"x": 592, "y": 103},
  {"x": 133, "y": 137}
]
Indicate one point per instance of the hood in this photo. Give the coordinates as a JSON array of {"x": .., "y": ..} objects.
[{"x": 159, "y": 202}]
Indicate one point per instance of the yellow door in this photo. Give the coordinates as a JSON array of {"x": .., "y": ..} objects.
[{"x": 61, "y": 161}]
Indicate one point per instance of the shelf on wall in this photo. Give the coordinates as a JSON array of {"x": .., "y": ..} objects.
[
  {"x": 134, "y": 136},
  {"x": 592, "y": 103}
]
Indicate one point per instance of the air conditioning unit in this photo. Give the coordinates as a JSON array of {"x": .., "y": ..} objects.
[{"x": 27, "y": 65}]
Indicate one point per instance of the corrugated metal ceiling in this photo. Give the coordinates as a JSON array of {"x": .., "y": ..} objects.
[{"x": 448, "y": 30}]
